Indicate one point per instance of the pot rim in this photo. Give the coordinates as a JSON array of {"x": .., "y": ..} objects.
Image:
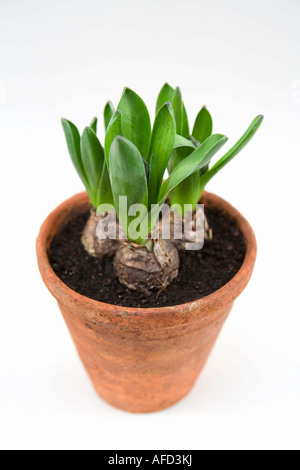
[{"x": 230, "y": 291}]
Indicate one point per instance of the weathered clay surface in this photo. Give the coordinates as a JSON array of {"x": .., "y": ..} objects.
[{"x": 143, "y": 360}]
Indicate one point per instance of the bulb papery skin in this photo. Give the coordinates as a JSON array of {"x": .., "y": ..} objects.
[
  {"x": 144, "y": 271},
  {"x": 92, "y": 243}
]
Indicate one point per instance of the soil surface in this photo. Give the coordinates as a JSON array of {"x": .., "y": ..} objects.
[{"x": 201, "y": 272}]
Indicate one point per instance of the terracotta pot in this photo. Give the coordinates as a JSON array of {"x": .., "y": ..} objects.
[{"x": 142, "y": 359}]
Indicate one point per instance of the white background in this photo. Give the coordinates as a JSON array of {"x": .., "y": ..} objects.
[{"x": 66, "y": 58}]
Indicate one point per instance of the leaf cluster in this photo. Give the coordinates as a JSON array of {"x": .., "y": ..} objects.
[
  {"x": 190, "y": 190},
  {"x": 135, "y": 156}
]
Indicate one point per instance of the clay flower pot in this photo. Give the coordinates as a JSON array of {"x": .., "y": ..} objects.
[{"x": 143, "y": 359}]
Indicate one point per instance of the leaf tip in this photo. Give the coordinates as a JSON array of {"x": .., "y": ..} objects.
[
  {"x": 88, "y": 131},
  {"x": 127, "y": 91},
  {"x": 169, "y": 106},
  {"x": 178, "y": 90}
]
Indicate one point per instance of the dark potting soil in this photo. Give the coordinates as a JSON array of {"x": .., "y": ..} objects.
[{"x": 201, "y": 272}]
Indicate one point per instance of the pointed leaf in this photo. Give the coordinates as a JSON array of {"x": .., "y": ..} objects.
[
  {"x": 94, "y": 124},
  {"x": 135, "y": 123},
  {"x": 114, "y": 129},
  {"x": 92, "y": 157},
  {"x": 203, "y": 125},
  {"x": 128, "y": 176},
  {"x": 199, "y": 158},
  {"x": 165, "y": 95},
  {"x": 109, "y": 111},
  {"x": 178, "y": 110},
  {"x": 183, "y": 142},
  {"x": 104, "y": 195},
  {"x": 163, "y": 138},
  {"x": 252, "y": 129},
  {"x": 73, "y": 142},
  {"x": 185, "y": 123}
]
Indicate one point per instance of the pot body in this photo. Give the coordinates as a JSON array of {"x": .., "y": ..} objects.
[{"x": 142, "y": 360}]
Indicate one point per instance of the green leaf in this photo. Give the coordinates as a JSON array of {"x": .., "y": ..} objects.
[
  {"x": 92, "y": 158},
  {"x": 147, "y": 168},
  {"x": 94, "y": 124},
  {"x": 188, "y": 191},
  {"x": 178, "y": 110},
  {"x": 114, "y": 129},
  {"x": 104, "y": 195},
  {"x": 152, "y": 182},
  {"x": 135, "y": 123},
  {"x": 252, "y": 129},
  {"x": 73, "y": 142},
  {"x": 128, "y": 177},
  {"x": 165, "y": 95},
  {"x": 163, "y": 138},
  {"x": 109, "y": 111},
  {"x": 199, "y": 158},
  {"x": 204, "y": 169},
  {"x": 185, "y": 123},
  {"x": 203, "y": 126},
  {"x": 183, "y": 142}
]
